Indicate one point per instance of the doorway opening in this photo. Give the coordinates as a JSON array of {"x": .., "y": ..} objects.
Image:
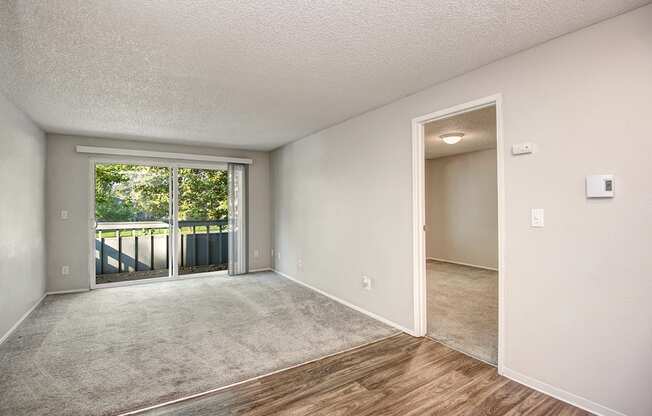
[
  {"x": 154, "y": 221},
  {"x": 459, "y": 230}
]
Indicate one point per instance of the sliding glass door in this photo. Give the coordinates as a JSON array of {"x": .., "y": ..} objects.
[
  {"x": 132, "y": 222},
  {"x": 203, "y": 228},
  {"x": 157, "y": 222}
]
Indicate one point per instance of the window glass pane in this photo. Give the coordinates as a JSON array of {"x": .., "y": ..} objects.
[
  {"x": 203, "y": 220},
  {"x": 132, "y": 211}
]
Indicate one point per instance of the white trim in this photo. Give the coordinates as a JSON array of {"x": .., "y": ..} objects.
[
  {"x": 418, "y": 227},
  {"x": 217, "y": 389},
  {"x": 560, "y": 394},
  {"x": 264, "y": 269},
  {"x": 65, "y": 292},
  {"x": 161, "y": 163},
  {"x": 91, "y": 223},
  {"x": 134, "y": 282},
  {"x": 176, "y": 238},
  {"x": 477, "y": 266},
  {"x": 502, "y": 233},
  {"x": 348, "y": 304},
  {"x": 178, "y": 278},
  {"x": 214, "y": 273},
  {"x": 22, "y": 318},
  {"x": 160, "y": 155},
  {"x": 418, "y": 214}
]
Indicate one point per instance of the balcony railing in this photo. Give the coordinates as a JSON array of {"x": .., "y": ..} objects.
[{"x": 141, "y": 250}]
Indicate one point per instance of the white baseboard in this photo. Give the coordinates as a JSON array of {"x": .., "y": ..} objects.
[
  {"x": 350, "y": 305},
  {"x": 264, "y": 269},
  {"x": 462, "y": 264},
  {"x": 22, "y": 318},
  {"x": 63, "y": 292},
  {"x": 560, "y": 394}
]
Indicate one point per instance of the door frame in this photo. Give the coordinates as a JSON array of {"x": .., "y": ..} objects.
[
  {"x": 419, "y": 213},
  {"x": 173, "y": 266}
]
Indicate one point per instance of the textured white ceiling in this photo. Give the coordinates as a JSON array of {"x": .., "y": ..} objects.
[
  {"x": 479, "y": 128},
  {"x": 253, "y": 74}
]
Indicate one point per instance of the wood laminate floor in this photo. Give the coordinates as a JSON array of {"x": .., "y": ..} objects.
[{"x": 401, "y": 375}]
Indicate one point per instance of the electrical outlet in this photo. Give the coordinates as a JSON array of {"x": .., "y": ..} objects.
[
  {"x": 366, "y": 282},
  {"x": 522, "y": 148},
  {"x": 256, "y": 253},
  {"x": 537, "y": 218},
  {"x": 64, "y": 214},
  {"x": 272, "y": 252},
  {"x": 300, "y": 265},
  {"x": 65, "y": 270}
]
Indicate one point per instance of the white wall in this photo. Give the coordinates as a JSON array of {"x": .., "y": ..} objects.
[
  {"x": 22, "y": 214},
  {"x": 579, "y": 316},
  {"x": 462, "y": 208},
  {"x": 68, "y": 188}
]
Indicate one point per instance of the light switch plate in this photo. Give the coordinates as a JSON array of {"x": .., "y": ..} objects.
[{"x": 537, "y": 218}]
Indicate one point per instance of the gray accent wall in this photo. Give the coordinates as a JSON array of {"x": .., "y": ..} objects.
[
  {"x": 577, "y": 295},
  {"x": 68, "y": 184},
  {"x": 22, "y": 214},
  {"x": 462, "y": 208}
]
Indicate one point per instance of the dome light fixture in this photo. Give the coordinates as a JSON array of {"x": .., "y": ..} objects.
[{"x": 451, "y": 138}]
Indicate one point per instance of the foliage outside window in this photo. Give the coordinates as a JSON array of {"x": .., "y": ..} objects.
[{"x": 127, "y": 193}]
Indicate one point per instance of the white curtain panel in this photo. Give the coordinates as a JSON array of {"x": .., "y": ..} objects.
[{"x": 237, "y": 219}]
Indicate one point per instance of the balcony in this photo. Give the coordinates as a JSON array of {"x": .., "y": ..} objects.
[{"x": 126, "y": 251}]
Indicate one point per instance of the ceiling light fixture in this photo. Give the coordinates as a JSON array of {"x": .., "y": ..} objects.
[{"x": 452, "y": 138}]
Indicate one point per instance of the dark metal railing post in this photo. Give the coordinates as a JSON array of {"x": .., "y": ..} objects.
[
  {"x": 194, "y": 236},
  {"x": 208, "y": 243},
  {"x": 101, "y": 254},
  {"x": 135, "y": 250},
  {"x": 119, "y": 251},
  {"x": 167, "y": 251},
  {"x": 181, "y": 235},
  {"x": 151, "y": 249},
  {"x": 219, "y": 245}
]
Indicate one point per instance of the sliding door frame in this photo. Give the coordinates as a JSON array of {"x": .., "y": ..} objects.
[{"x": 173, "y": 265}]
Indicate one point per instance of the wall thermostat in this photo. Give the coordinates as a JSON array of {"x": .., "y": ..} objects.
[{"x": 600, "y": 186}]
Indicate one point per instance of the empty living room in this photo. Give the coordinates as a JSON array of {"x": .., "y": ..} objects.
[{"x": 325, "y": 208}]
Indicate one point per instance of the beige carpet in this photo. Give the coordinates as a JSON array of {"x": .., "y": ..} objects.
[
  {"x": 112, "y": 350},
  {"x": 463, "y": 308}
]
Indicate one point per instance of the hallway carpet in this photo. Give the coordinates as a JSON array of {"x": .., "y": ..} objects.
[
  {"x": 463, "y": 308},
  {"x": 112, "y": 350}
]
